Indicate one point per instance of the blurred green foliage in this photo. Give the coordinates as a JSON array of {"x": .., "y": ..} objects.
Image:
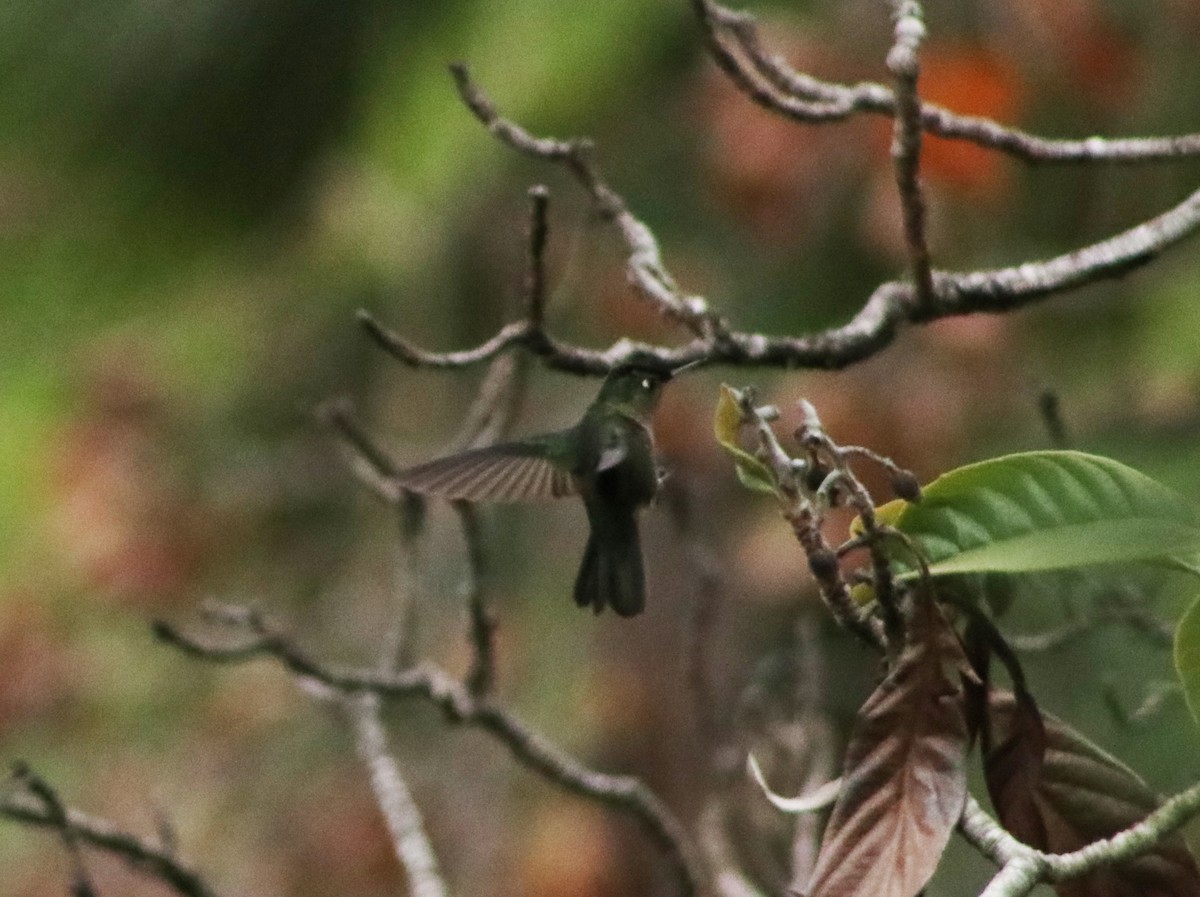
[{"x": 196, "y": 196}]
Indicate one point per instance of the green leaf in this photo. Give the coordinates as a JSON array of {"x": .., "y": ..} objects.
[
  {"x": 885, "y": 515},
  {"x": 1187, "y": 656},
  {"x": 1048, "y": 511},
  {"x": 727, "y": 423}
]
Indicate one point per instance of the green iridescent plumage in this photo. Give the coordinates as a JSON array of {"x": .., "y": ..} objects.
[{"x": 607, "y": 459}]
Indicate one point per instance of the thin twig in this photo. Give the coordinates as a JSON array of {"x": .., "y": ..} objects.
[
  {"x": 727, "y": 877},
  {"x": 56, "y": 813},
  {"x": 903, "y": 61},
  {"x": 373, "y": 467},
  {"x": 1050, "y": 410},
  {"x": 482, "y": 675},
  {"x": 624, "y": 793},
  {"x": 141, "y": 855},
  {"x": 773, "y": 84},
  {"x": 535, "y": 276},
  {"x": 400, "y": 812},
  {"x": 876, "y": 324},
  {"x": 644, "y": 265}
]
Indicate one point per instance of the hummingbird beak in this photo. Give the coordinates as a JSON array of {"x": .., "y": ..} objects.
[{"x": 675, "y": 372}]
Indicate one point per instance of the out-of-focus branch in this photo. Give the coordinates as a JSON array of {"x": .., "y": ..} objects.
[
  {"x": 482, "y": 674},
  {"x": 28, "y": 808},
  {"x": 400, "y": 812},
  {"x": 903, "y": 61},
  {"x": 428, "y": 683},
  {"x": 535, "y": 275},
  {"x": 395, "y": 801},
  {"x": 1123, "y": 607},
  {"x": 1050, "y": 410},
  {"x": 56, "y": 814},
  {"x": 768, "y": 80},
  {"x": 373, "y": 467},
  {"x": 706, "y": 568},
  {"x": 727, "y": 877}
]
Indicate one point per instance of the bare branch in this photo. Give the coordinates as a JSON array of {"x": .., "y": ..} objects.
[
  {"x": 431, "y": 684},
  {"x": 373, "y": 467},
  {"x": 728, "y": 879},
  {"x": 876, "y": 325},
  {"x": 141, "y": 855},
  {"x": 768, "y": 80},
  {"x": 644, "y": 266},
  {"x": 482, "y": 674},
  {"x": 400, "y": 811},
  {"x": 1050, "y": 411},
  {"x": 904, "y": 63},
  {"x": 394, "y": 344},
  {"x": 56, "y": 813},
  {"x": 1023, "y": 867}
]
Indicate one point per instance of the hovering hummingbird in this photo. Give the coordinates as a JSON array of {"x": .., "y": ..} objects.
[{"x": 607, "y": 459}]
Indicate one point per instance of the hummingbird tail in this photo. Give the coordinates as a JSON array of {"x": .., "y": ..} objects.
[{"x": 611, "y": 573}]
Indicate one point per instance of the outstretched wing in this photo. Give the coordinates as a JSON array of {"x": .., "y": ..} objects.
[{"x": 513, "y": 471}]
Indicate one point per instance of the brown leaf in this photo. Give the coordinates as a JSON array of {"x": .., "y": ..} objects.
[
  {"x": 905, "y": 777},
  {"x": 1071, "y": 794}
]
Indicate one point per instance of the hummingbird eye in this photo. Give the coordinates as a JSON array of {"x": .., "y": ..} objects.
[{"x": 646, "y": 383}]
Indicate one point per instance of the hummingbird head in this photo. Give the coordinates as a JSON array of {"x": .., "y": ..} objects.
[{"x": 634, "y": 387}]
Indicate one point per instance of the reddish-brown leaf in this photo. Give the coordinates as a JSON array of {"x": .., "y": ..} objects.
[
  {"x": 904, "y": 779},
  {"x": 1058, "y": 792}
]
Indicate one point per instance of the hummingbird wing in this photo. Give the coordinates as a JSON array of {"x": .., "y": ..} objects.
[{"x": 529, "y": 470}]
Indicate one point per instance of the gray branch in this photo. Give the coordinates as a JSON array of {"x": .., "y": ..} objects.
[
  {"x": 903, "y": 61},
  {"x": 141, "y": 855},
  {"x": 768, "y": 80},
  {"x": 431, "y": 684},
  {"x": 1022, "y": 867},
  {"x": 892, "y": 305},
  {"x": 395, "y": 801}
]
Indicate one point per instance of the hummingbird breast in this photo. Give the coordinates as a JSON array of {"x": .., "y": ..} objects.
[{"x": 632, "y": 480}]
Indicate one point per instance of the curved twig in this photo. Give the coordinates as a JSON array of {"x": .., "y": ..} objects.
[
  {"x": 624, "y": 793},
  {"x": 141, "y": 855},
  {"x": 645, "y": 267},
  {"x": 875, "y": 326},
  {"x": 769, "y": 81},
  {"x": 1023, "y": 867}
]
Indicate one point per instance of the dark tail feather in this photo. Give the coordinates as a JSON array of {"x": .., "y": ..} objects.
[{"x": 611, "y": 573}]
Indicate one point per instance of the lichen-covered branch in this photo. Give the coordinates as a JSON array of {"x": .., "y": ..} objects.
[
  {"x": 903, "y": 60},
  {"x": 768, "y": 80},
  {"x": 1022, "y": 867},
  {"x": 141, "y": 855},
  {"x": 644, "y": 265},
  {"x": 889, "y": 308},
  {"x": 400, "y": 811},
  {"x": 459, "y": 705}
]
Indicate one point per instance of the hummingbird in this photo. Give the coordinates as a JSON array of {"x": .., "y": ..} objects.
[{"x": 607, "y": 459}]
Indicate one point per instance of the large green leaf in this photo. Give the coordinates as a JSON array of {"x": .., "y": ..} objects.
[{"x": 1048, "y": 511}]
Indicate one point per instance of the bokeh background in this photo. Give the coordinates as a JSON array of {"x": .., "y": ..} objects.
[{"x": 195, "y": 197}]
